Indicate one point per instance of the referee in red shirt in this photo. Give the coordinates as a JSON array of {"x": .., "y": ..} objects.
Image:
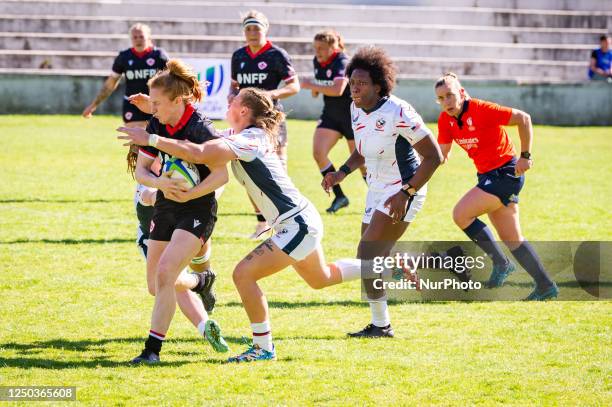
[{"x": 477, "y": 127}]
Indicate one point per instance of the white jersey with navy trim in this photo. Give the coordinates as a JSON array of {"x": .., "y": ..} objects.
[
  {"x": 385, "y": 138},
  {"x": 260, "y": 171}
]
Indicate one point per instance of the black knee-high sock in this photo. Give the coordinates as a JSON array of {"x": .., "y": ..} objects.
[
  {"x": 482, "y": 236},
  {"x": 530, "y": 261},
  {"x": 336, "y": 188}
]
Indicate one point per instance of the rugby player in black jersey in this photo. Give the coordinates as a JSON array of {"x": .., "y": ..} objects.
[
  {"x": 330, "y": 63},
  {"x": 183, "y": 219},
  {"x": 263, "y": 65}
]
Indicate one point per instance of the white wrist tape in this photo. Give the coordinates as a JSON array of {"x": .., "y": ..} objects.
[{"x": 153, "y": 139}]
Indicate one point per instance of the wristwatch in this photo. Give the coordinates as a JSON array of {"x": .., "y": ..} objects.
[
  {"x": 409, "y": 189},
  {"x": 526, "y": 155}
]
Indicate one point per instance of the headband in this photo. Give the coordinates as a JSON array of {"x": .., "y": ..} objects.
[{"x": 254, "y": 21}]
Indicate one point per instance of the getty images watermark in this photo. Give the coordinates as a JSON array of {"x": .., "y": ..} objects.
[
  {"x": 460, "y": 271},
  {"x": 405, "y": 271}
]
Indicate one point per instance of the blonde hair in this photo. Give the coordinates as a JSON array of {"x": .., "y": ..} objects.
[
  {"x": 265, "y": 115},
  {"x": 331, "y": 38},
  {"x": 178, "y": 80},
  {"x": 146, "y": 30},
  {"x": 258, "y": 16},
  {"x": 448, "y": 79}
]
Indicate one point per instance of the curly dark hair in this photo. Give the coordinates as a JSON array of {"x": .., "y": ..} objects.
[{"x": 378, "y": 64}]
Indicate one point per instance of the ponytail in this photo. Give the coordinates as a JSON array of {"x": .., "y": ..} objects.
[{"x": 178, "y": 80}]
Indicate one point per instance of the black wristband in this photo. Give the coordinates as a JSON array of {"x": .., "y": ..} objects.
[{"x": 345, "y": 169}]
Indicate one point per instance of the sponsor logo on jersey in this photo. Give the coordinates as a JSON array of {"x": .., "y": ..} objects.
[
  {"x": 262, "y": 65},
  {"x": 380, "y": 124},
  {"x": 150, "y": 62},
  {"x": 282, "y": 231},
  {"x": 328, "y": 73},
  {"x": 316, "y": 71},
  {"x": 242, "y": 65},
  {"x": 356, "y": 118},
  {"x": 215, "y": 77},
  {"x": 468, "y": 143},
  {"x": 513, "y": 198},
  {"x": 152, "y": 227},
  {"x": 251, "y": 78},
  {"x": 470, "y": 124},
  {"x": 130, "y": 62},
  {"x": 140, "y": 73},
  {"x": 322, "y": 82},
  {"x": 368, "y": 210},
  {"x": 128, "y": 115},
  {"x": 196, "y": 223}
]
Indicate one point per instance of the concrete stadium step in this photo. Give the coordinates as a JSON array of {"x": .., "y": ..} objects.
[
  {"x": 582, "y": 5},
  {"x": 198, "y": 26},
  {"x": 295, "y": 46},
  {"x": 408, "y": 67},
  {"x": 329, "y": 13}
]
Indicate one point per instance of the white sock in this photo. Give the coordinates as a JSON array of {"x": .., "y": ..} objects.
[
  {"x": 350, "y": 269},
  {"x": 380, "y": 312},
  {"x": 202, "y": 327},
  {"x": 262, "y": 335}
]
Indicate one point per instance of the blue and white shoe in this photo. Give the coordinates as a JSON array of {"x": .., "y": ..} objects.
[
  {"x": 543, "y": 295},
  {"x": 500, "y": 273},
  {"x": 254, "y": 353}
]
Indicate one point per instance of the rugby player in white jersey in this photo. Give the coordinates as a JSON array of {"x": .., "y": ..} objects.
[{"x": 400, "y": 154}]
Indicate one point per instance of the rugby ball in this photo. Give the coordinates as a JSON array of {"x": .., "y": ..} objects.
[{"x": 183, "y": 170}]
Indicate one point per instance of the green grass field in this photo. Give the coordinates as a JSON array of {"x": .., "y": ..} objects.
[{"x": 74, "y": 306}]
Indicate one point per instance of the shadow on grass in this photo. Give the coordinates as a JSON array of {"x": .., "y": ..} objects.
[
  {"x": 30, "y": 353},
  {"x": 306, "y": 304},
  {"x": 94, "y": 363},
  {"x": 67, "y": 241}
]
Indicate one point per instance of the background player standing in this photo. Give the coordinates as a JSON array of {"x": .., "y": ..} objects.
[
  {"x": 138, "y": 63},
  {"x": 330, "y": 80},
  {"x": 263, "y": 65}
]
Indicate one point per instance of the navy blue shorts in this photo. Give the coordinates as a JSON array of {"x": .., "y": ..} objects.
[
  {"x": 502, "y": 183},
  {"x": 339, "y": 122}
]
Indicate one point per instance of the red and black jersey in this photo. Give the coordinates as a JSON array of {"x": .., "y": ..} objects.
[
  {"x": 194, "y": 127},
  {"x": 324, "y": 75},
  {"x": 139, "y": 67},
  {"x": 264, "y": 69}
]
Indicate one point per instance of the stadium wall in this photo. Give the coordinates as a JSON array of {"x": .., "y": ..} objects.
[{"x": 565, "y": 104}]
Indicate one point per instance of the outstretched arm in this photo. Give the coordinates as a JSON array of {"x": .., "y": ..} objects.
[{"x": 212, "y": 153}]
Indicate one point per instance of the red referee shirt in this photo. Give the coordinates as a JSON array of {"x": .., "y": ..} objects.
[{"x": 480, "y": 132}]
